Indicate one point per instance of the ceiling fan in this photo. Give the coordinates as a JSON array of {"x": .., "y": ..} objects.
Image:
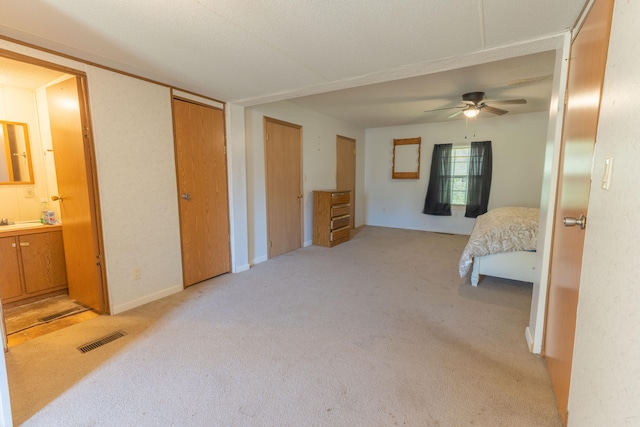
[{"x": 473, "y": 104}]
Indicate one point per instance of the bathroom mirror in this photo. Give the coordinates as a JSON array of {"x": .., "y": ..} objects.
[{"x": 15, "y": 154}]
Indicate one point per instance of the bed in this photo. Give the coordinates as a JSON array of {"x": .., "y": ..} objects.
[{"x": 502, "y": 244}]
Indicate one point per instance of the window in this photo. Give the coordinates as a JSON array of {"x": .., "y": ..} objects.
[{"x": 459, "y": 174}]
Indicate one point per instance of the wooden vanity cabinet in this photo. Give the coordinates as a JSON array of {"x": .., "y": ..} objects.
[
  {"x": 10, "y": 277},
  {"x": 331, "y": 217},
  {"x": 33, "y": 265}
]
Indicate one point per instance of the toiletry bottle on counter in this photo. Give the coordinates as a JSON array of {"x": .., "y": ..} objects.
[{"x": 44, "y": 210}]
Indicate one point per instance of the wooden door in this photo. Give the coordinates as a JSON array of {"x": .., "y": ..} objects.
[
  {"x": 283, "y": 158},
  {"x": 201, "y": 165},
  {"x": 586, "y": 74},
  {"x": 78, "y": 209},
  {"x": 346, "y": 171}
]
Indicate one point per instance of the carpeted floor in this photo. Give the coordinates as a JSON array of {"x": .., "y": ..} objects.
[{"x": 378, "y": 331}]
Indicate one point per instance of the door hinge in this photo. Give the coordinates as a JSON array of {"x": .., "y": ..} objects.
[
  {"x": 270, "y": 244},
  {"x": 85, "y": 131},
  {"x": 267, "y": 136},
  {"x": 566, "y": 98}
]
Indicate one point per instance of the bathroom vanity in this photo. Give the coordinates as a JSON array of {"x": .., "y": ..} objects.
[{"x": 33, "y": 264}]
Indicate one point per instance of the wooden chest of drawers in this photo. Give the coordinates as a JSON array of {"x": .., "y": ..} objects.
[{"x": 331, "y": 218}]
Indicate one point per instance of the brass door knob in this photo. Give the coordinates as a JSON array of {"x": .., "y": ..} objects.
[{"x": 55, "y": 198}]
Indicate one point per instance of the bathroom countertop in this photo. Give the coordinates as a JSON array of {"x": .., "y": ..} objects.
[{"x": 19, "y": 229}]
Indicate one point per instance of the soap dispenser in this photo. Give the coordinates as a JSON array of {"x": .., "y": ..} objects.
[{"x": 44, "y": 209}]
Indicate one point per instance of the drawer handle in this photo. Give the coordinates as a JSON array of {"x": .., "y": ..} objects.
[{"x": 23, "y": 244}]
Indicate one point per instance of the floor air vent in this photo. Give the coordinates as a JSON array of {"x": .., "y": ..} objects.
[
  {"x": 102, "y": 341},
  {"x": 60, "y": 314}
]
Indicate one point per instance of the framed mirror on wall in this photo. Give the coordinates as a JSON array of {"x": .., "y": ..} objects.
[
  {"x": 15, "y": 154},
  {"x": 406, "y": 158}
]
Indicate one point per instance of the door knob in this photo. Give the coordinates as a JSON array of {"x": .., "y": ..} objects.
[
  {"x": 299, "y": 196},
  {"x": 581, "y": 221},
  {"x": 55, "y": 198},
  {"x": 186, "y": 196}
]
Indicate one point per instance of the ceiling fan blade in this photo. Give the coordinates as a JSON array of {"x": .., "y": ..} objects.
[
  {"x": 440, "y": 109},
  {"x": 455, "y": 114},
  {"x": 510, "y": 101},
  {"x": 494, "y": 110}
]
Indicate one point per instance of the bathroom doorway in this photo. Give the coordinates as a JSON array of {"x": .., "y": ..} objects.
[{"x": 64, "y": 172}]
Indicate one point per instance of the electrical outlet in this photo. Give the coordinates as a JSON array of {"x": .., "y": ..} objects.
[
  {"x": 136, "y": 274},
  {"x": 28, "y": 191}
]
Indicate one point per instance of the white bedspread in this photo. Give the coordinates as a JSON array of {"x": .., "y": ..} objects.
[{"x": 507, "y": 229}]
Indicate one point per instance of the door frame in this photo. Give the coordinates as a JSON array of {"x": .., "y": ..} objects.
[
  {"x": 352, "y": 218},
  {"x": 90, "y": 159},
  {"x": 266, "y": 120}
]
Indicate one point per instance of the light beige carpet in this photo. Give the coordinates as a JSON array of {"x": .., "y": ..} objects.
[{"x": 378, "y": 331}]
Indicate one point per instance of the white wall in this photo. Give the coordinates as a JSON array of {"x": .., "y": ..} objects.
[
  {"x": 605, "y": 380},
  {"x": 318, "y": 165},
  {"x": 133, "y": 138},
  {"x": 237, "y": 166},
  {"x": 518, "y": 143}
]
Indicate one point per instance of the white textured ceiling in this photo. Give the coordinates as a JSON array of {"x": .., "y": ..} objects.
[{"x": 251, "y": 52}]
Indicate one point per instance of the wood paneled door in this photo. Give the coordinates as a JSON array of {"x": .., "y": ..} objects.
[
  {"x": 77, "y": 192},
  {"x": 586, "y": 75},
  {"x": 283, "y": 164},
  {"x": 346, "y": 171},
  {"x": 201, "y": 167}
]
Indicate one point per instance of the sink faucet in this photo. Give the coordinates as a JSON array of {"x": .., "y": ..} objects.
[{"x": 4, "y": 221}]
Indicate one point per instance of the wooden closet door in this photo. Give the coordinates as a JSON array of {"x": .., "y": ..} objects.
[
  {"x": 283, "y": 158},
  {"x": 202, "y": 190}
]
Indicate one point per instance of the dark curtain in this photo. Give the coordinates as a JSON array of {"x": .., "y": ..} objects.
[
  {"x": 479, "y": 183},
  {"x": 438, "y": 200}
]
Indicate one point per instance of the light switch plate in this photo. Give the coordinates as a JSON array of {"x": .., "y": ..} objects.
[{"x": 606, "y": 175}]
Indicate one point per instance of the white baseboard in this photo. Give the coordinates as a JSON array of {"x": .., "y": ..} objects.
[
  {"x": 117, "y": 309},
  {"x": 259, "y": 260},
  {"x": 529, "y": 337},
  {"x": 241, "y": 268},
  {"x": 308, "y": 243}
]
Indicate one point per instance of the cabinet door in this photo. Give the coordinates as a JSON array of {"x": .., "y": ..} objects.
[
  {"x": 10, "y": 271},
  {"x": 43, "y": 261}
]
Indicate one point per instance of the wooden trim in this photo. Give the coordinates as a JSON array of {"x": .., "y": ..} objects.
[
  {"x": 39, "y": 62},
  {"x": 196, "y": 99},
  {"x": 14, "y": 55},
  {"x": 282, "y": 122},
  {"x": 405, "y": 174},
  {"x": 346, "y": 137},
  {"x": 94, "y": 193}
]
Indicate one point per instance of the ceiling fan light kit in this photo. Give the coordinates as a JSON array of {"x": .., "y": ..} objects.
[
  {"x": 471, "y": 112},
  {"x": 473, "y": 103}
]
